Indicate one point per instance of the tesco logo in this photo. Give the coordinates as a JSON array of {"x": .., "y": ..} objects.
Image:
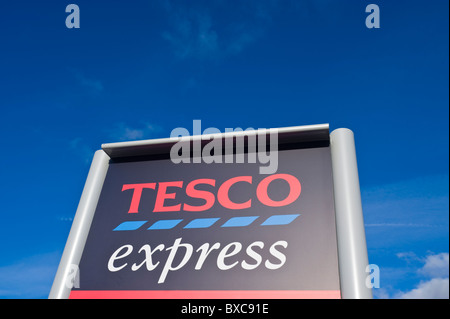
[
  {"x": 165, "y": 191},
  {"x": 226, "y": 256}
]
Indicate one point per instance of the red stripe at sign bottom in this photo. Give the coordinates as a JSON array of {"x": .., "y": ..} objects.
[{"x": 205, "y": 294}]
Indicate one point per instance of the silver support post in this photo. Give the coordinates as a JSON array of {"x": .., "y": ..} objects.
[
  {"x": 351, "y": 238},
  {"x": 68, "y": 266}
]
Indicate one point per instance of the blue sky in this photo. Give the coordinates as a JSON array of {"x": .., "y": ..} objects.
[{"x": 138, "y": 70}]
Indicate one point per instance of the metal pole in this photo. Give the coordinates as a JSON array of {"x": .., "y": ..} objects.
[
  {"x": 70, "y": 259},
  {"x": 351, "y": 238}
]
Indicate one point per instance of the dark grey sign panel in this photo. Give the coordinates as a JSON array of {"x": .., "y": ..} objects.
[{"x": 252, "y": 246}]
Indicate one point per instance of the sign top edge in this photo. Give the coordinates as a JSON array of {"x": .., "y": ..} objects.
[{"x": 304, "y": 133}]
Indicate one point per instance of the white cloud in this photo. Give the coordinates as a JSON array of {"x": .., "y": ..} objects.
[
  {"x": 397, "y": 225},
  {"x": 192, "y": 34},
  {"x": 118, "y": 133},
  {"x": 122, "y": 132},
  {"x": 381, "y": 293},
  {"x": 94, "y": 85},
  {"x": 436, "y": 266},
  {"x": 408, "y": 216},
  {"x": 408, "y": 256},
  {"x": 436, "y": 288},
  {"x": 406, "y": 212},
  {"x": 81, "y": 149},
  {"x": 215, "y": 31},
  {"x": 29, "y": 278}
]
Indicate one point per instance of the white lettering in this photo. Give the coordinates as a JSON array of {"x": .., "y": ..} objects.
[
  {"x": 178, "y": 259},
  {"x": 115, "y": 256},
  {"x": 173, "y": 251},
  {"x": 148, "y": 257},
  {"x": 253, "y": 254},
  {"x": 280, "y": 256},
  {"x": 205, "y": 252},
  {"x": 213, "y": 150},
  {"x": 224, "y": 254}
]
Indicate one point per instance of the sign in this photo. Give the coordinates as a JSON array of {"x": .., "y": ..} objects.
[{"x": 165, "y": 230}]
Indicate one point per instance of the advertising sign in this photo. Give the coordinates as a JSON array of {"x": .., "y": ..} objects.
[{"x": 165, "y": 230}]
